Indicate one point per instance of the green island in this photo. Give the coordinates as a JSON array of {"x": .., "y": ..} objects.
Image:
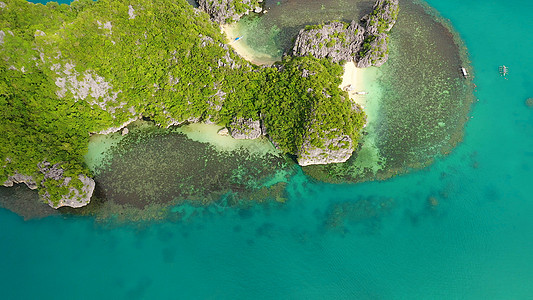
[
  {"x": 92, "y": 67},
  {"x": 105, "y": 70}
]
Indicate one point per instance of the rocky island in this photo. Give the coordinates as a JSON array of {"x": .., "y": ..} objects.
[
  {"x": 364, "y": 42},
  {"x": 69, "y": 71}
]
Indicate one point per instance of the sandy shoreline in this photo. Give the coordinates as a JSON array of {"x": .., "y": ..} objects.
[
  {"x": 208, "y": 133},
  {"x": 353, "y": 82},
  {"x": 360, "y": 80},
  {"x": 365, "y": 80},
  {"x": 231, "y": 32}
]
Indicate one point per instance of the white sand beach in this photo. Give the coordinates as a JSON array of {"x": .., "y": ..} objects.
[
  {"x": 242, "y": 48},
  {"x": 352, "y": 81},
  {"x": 362, "y": 88}
]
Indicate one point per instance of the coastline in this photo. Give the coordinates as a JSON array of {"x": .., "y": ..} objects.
[
  {"x": 356, "y": 80},
  {"x": 208, "y": 133},
  {"x": 352, "y": 82},
  {"x": 231, "y": 32}
]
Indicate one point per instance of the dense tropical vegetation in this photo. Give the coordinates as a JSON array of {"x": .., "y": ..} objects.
[{"x": 70, "y": 70}]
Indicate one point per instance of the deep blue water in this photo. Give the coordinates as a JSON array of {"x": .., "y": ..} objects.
[{"x": 477, "y": 243}]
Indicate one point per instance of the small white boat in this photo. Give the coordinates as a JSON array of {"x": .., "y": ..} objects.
[
  {"x": 361, "y": 93},
  {"x": 464, "y": 72}
]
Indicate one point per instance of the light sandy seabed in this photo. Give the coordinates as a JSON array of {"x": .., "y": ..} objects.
[{"x": 207, "y": 133}]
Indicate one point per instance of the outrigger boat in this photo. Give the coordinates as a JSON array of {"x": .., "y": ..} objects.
[{"x": 504, "y": 70}]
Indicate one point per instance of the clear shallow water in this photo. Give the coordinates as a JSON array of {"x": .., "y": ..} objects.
[{"x": 390, "y": 241}]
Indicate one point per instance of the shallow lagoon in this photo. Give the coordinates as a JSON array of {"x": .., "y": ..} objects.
[{"x": 391, "y": 241}]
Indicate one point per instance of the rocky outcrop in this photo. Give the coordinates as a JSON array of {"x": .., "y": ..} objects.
[
  {"x": 333, "y": 150},
  {"x": 245, "y": 129},
  {"x": 375, "y": 51},
  {"x": 223, "y": 132},
  {"x": 364, "y": 42},
  {"x": 377, "y": 26},
  {"x": 91, "y": 87},
  {"x": 131, "y": 12},
  {"x": 382, "y": 18},
  {"x": 77, "y": 194},
  {"x": 120, "y": 127},
  {"x": 75, "y": 197},
  {"x": 336, "y": 40},
  {"x": 20, "y": 178},
  {"x": 228, "y": 11},
  {"x": 529, "y": 102}
]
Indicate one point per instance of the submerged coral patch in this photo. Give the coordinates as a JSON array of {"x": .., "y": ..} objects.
[{"x": 151, "y": 169}]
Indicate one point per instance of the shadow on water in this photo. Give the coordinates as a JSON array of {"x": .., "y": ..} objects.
[{"x": 24, "y": 202}]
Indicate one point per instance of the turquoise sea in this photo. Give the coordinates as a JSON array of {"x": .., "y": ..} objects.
[{"x": 393, "y": 240}]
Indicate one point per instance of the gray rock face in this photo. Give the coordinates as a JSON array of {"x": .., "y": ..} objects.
[
  {"x": 383, "y": 16},
  {"x": 335, "y": 150},
  {"x": 377, "y": 24},
  {"x": 325, "y": 146},
  {"x": 75, "y": 197},
  {"x": 336, "y": 40},
  {"x": 19, "y": 178},
  {"x": 377, "y": 54},
  {"x": 245, "y": 129},
  {"x": 364, "y": 43},
  {"x": 53, "y": 172},
  {"x": 223, "y": 132},
  {"x": 228, "y": 11}
]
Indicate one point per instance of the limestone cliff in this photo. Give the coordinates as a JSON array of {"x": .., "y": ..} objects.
[
  {"x": 228, "y": 11},
  {"x": 74, "y": 197},
  {"x": 377, "y": 26},
  {"x": 336, "y": 40},
  {"x": 73, "y": 194},
  {"x": 20, "y": 178},
  {"x": 245, "y": 129},
  {"x": 364, "y": 42},
  {"x": 337, "y": 149}
]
